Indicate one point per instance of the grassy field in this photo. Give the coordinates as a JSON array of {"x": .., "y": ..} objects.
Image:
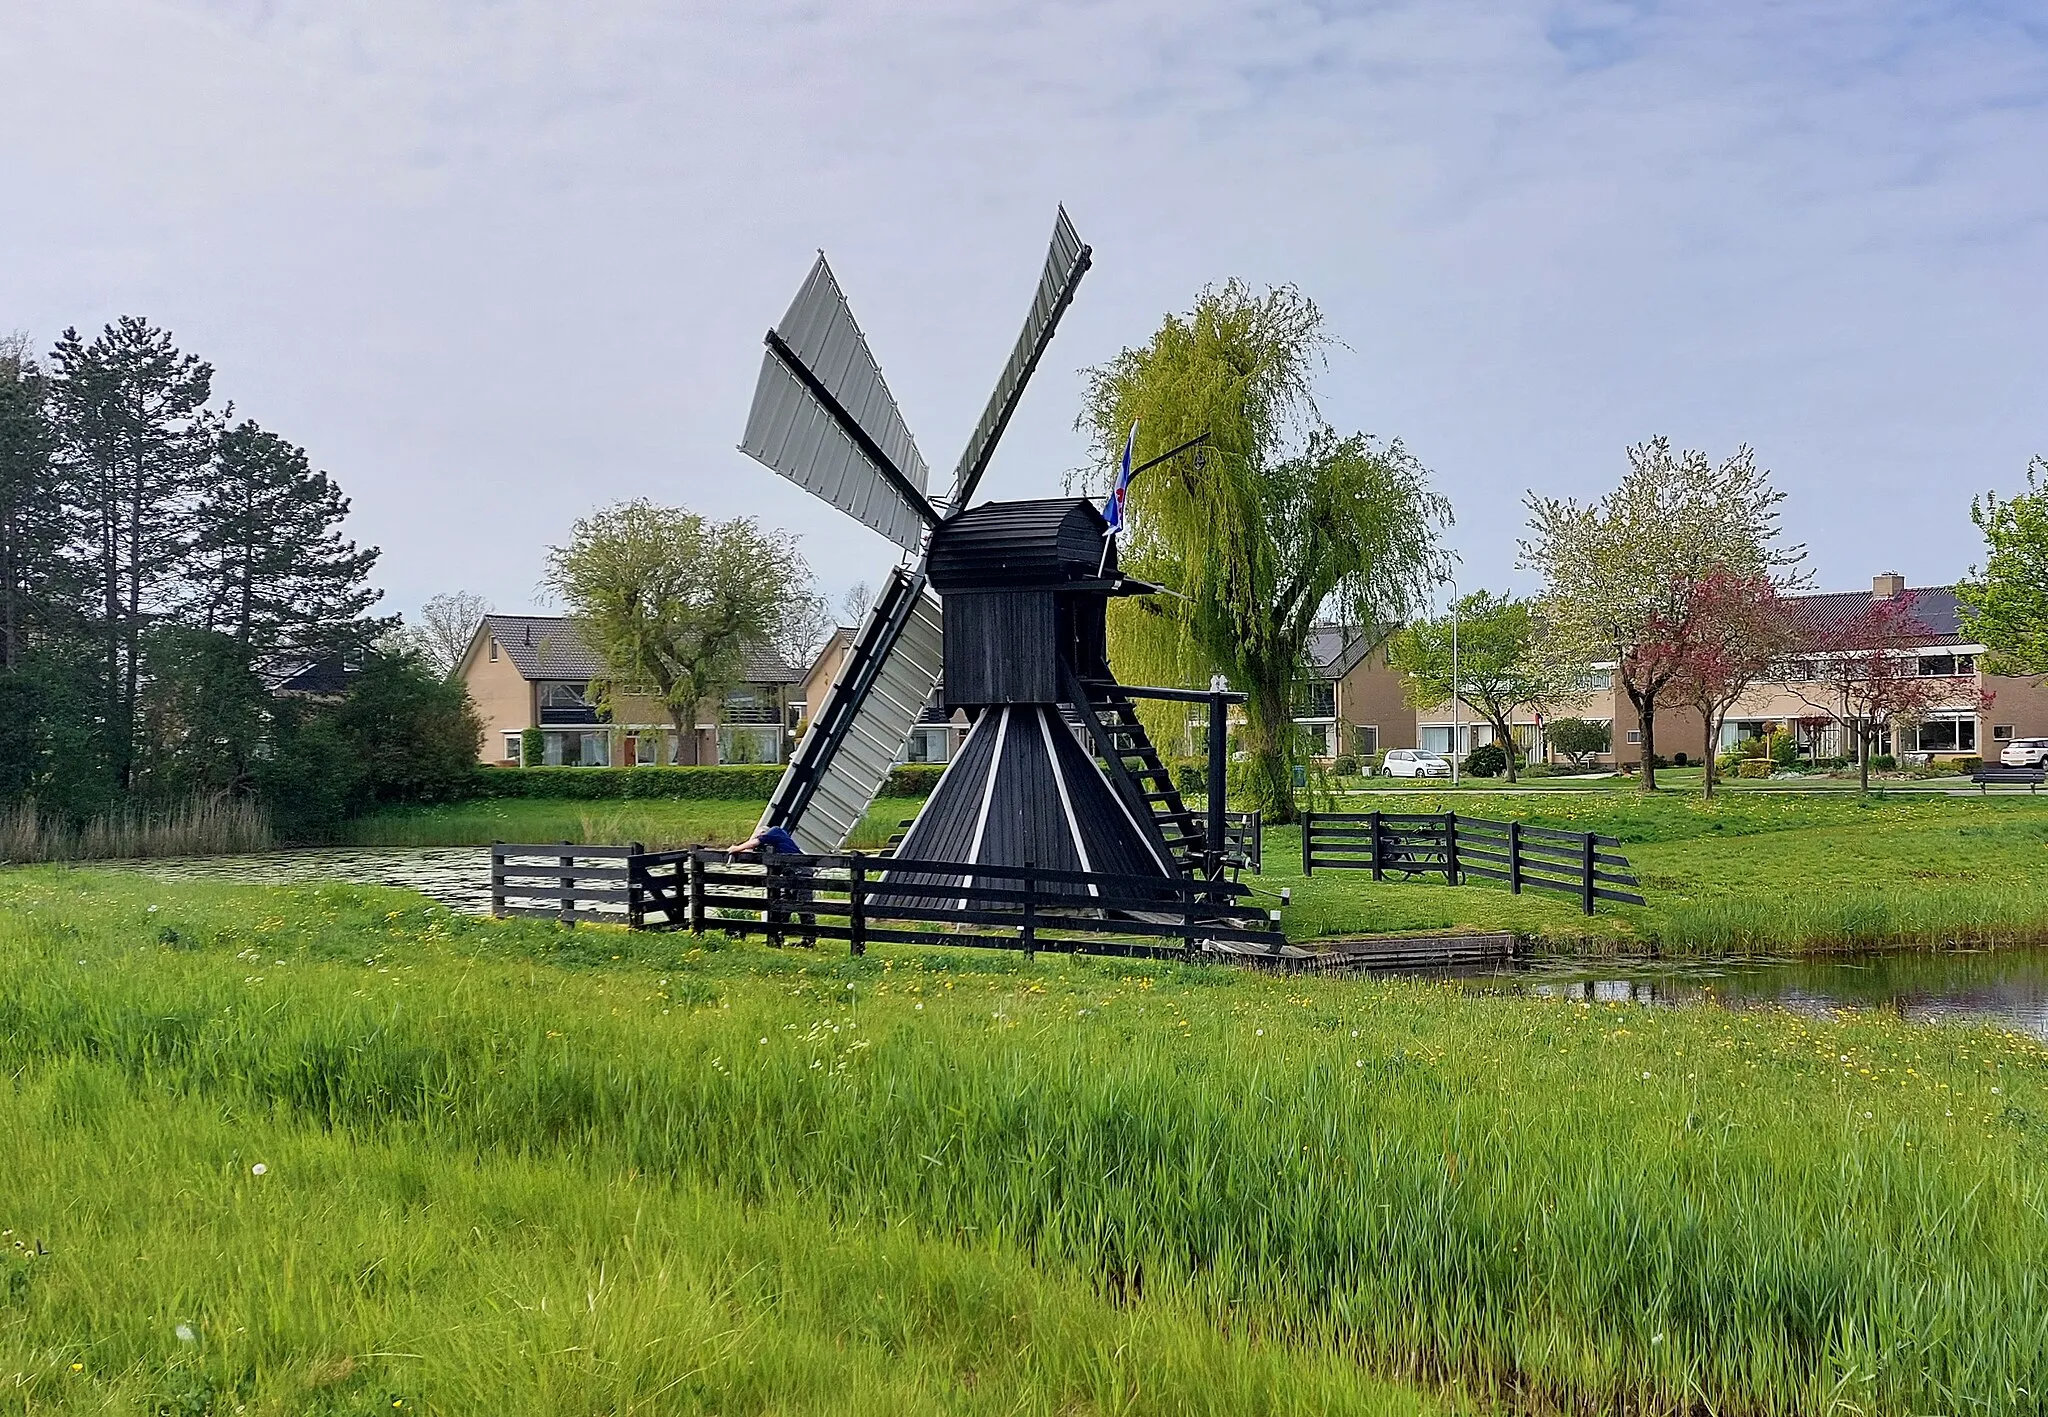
[
  {"x": 659, "y": 825},
  {"x": 1750, "y": 872},
  {"x": 510, "y": 1167}
]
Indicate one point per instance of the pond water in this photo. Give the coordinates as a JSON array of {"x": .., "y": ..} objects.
[
  {"x": 457, "y": 876},
  {"x": 2007, "y": 988}
]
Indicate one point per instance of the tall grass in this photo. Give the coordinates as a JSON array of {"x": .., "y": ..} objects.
[
  {"x": 200, "y": 826},
  {"x": 1558, "y": 1205},
  {"x": 399, "y": 1273}
]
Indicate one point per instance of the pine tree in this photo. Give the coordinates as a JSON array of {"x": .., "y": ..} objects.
[
  {"x": 270, "y": 568},
  {"x": 133, "y": 433},
  {"x": 32, "y": 526}
]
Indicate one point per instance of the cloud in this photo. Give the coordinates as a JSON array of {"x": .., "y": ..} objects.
[{"x": 498, "y": 264}]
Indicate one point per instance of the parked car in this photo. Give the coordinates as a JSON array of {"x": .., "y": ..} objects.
[
  {"x": 1414, "y": 762},
  {"x": 2025, "y": 753}
]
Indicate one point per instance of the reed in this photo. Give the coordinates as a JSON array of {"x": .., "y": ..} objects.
[
  {"x": 200, "y": 826},
  {"x": 1553, "y": 1205}
]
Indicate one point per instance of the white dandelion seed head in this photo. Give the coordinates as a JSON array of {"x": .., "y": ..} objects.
[
  {"x": 259, "y": 1169},
  {"x": 185, "y": 1334}
]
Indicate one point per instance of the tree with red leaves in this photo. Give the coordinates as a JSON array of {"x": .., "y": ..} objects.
[
  {"x": 1739, "y": 629},
  {"x": 1866, "y": 673}
]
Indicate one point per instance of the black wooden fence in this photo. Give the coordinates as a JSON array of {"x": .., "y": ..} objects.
[
  {"x": 564, "y": 881},
  {"x": 865, "y": 899},
  {"x": 1410, "y": 843}
]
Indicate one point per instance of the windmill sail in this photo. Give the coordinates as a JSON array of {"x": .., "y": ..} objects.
[
  {"x": 824, "y": 418},
  {"x": 859, "y": 732},
  {"x": 1065, "y": 264}
]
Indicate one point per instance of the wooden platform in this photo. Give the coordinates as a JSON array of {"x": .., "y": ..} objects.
[{"x": 1379, "y": 952}]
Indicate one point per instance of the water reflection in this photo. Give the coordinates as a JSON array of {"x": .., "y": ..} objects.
[{"x": 2006, "y": 987}]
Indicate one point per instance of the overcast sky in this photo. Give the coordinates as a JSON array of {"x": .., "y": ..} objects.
[{"x": 498, "y": 264}]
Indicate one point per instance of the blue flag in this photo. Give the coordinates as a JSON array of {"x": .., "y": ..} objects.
[{"x": 1113, "y": 510}]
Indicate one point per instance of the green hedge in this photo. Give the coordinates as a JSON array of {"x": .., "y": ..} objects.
[
  {"x": 913, "y": 779},
  {"x": 749, "y": 782},
  {"x": 744, "y": 782}
]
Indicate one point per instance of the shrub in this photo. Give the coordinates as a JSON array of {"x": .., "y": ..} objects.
[
  {"x": 533, "y": 748},
  {"x": 1538, "y": 770},
  {"x": 1784, "y": 749},
  {"x": 1884, "y": 762},
  {"x": 1487, "y": 760},
  {"x": 1344, "y": 765},
  {"x": 1579, "y": 739},
  {"x": 1967, "y": 763},
  {"x": 913, "y": 779},
  {"x": 1754, "y": 767},
  {"x": 1190, "y": 776},
  {"x": 748, "y": 782}
]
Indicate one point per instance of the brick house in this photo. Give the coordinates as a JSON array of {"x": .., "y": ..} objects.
[
  {"x": 1958, "y": 725},
  {"x": 534, "y": 671}
]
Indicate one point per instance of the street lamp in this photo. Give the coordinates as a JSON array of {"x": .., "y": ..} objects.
[{"x": 1457, "y": 683}]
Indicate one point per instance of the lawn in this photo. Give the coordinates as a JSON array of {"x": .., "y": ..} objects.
[
  {"x": 335, "y": 1149},
  {"x": 1748, "y": 872}
]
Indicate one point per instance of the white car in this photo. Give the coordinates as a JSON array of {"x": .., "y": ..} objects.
[
  {"x": 1414, "y": 762},
  {"x": 2025, "y": 753}
]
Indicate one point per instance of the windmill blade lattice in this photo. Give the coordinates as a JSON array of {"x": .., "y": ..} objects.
[
  {"x": 823, "y": 417},
  {"x": 1065, "y": 263}
]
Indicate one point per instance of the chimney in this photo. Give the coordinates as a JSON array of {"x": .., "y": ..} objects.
[{"x": 1887, "y": 585}]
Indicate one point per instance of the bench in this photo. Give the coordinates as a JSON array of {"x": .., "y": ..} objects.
[{"x": 1997, "y": 774}]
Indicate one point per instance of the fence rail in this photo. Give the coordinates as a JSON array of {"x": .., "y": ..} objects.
[
  {"x": 565, "y": 881},
  {"x": 1457, "y": 847},
  {"x": 865, "y": 899}
]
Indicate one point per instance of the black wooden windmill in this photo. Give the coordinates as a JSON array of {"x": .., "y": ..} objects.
[{"x": 1004, "y": 603}]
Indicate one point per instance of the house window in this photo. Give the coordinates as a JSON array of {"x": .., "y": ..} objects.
[
  {"x": 511, "y": 747},
  {"x": 1635, "y": 735},
  {"x": 1436, "y": 738},
  {"x": 576, "y": 750},
  {"x": 494, "y": 651},
  {"x": 1317, "y": 699},
  {"x": 1947, "y": 735},
  {"x": 2001, "y": 731},
  {"x": 1365, "y": 739},
  {"x": 930, "y": 745},
  {"x": 566, "y": 703}
]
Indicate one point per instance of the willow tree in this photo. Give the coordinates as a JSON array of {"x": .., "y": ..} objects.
[{"x": 1278, "y": 523}]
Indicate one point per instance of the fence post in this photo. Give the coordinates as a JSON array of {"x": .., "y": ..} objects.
[
  {"x": 1379, "y": 872},
  {"x": 1187, "y": 922},
  {"x": 1308, "y": 860},
  {"x": 771, "y": 916},
  {"x": 1515, "y": 857},
  {"x": 636, "y": 887},
  {"x": 857, "y": 903},
  {"x": 1586, "y": 863},
  {"x": 695, "y": 907},
  {"x": 565, "y": 903},
  {"x": 1027, "y": 933},
  {"x": 1451, "y": 846},
  {"x": 497, "y": 879}
]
